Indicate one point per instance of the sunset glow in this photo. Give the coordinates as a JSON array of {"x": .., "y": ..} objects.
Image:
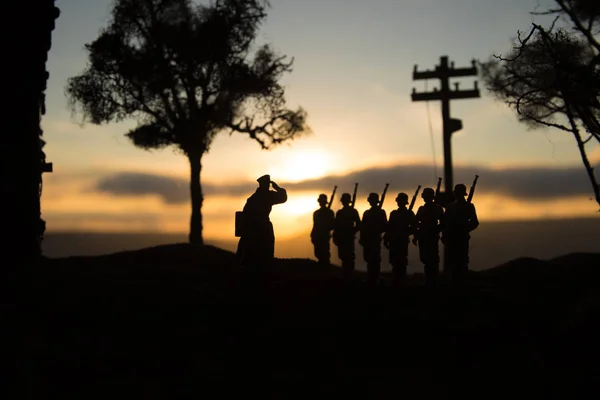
[
  {"x": 297, "y": 205},
  {"x": 359, "y": 110},
  {"x": 306, "y": 164}
]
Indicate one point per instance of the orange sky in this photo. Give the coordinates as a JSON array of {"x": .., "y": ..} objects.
[{"x": 353, "y": 74}]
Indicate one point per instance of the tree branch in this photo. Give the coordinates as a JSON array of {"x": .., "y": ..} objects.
[
  {"x": 279, "y": 128},
  {"x": 588, "y": 139},
  {"x": 549, "y": 124},
  {"x": 584, "y": 157},
  {"x": 520, "y": 48},
  {"x": 578, "y": 25}
]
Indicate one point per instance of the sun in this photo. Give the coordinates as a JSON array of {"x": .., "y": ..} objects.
[
  {"x": 308, "y": 164},
  {"x": 297, "y": 205}
]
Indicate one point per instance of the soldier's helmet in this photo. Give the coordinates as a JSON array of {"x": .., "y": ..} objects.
[
  {"x": 428, "y": 193},
  {"x": 322, "y": 198},
  {"x": 373, "y": 197},
  {"x": 402, "y": 198},
  {"x": 345, "y": 198},
  {"x": 460, "y": 190}
]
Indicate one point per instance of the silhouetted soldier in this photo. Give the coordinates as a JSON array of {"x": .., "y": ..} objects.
[
  {"x": 430, "y": 217},
  {"x": 323, "y": 224},
  {"x": 459, "y": 221},
  {"x": 347, "y": 224},
  {"x": 258, "y": 239},
  {"x": 371, "y": 228},
  {"x": 401, "y": 225}
]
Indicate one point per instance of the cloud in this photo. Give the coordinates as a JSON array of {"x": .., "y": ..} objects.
[
  {"x": 527, "y": 183},
  {"x": 170, "y": 190},
  {"x": 530, "y": 183}
]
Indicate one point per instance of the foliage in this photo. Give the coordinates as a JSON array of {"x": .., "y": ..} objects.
[
  {"x": 552, "y": 76},
  {"x": 186, "y": 73}
]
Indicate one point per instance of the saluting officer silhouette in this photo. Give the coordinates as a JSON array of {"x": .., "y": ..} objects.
[{"x": 257, "y": 243}]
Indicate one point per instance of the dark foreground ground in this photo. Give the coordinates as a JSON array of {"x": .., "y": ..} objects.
[{"x": 171, "y": 320}]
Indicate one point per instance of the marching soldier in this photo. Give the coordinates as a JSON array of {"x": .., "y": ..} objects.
[
  {"x": 400, "y": 227},
  {"x": 372, "y": 227},
  {"x": 257, "y": 242},
  {"x": 460, "y": 221},
  {"x": 430, "y": 218},
  {"x": 323, "y": 224},
  {"x": 347, "y": 224}
]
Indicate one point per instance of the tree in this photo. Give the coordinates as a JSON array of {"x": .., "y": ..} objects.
[
  {"x": 552, "y": 76},
  {"x": 187, "y": 72}
]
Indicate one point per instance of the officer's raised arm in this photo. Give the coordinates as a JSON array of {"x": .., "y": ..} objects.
[{"x": 279, "y": 195}]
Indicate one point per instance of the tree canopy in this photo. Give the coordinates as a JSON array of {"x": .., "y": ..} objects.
[{"x": 551, "y": 77}]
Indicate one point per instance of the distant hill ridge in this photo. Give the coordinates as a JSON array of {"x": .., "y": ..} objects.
[{"x": 184, "y": 255}]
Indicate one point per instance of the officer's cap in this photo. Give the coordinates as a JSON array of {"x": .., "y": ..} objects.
[
  {"x": 428, "y": 192},
  {"x": 460, "y": 190},
  {"x": 264, "y": 179},
  {"x": 402, "y": 198}
]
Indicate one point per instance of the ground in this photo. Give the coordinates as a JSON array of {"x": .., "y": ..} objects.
[{"x": 181, "y": 319}]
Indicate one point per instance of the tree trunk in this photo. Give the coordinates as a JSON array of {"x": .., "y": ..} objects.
[
  {"x": 197, "y": 197},
  {"x": 586, "y": 162}
]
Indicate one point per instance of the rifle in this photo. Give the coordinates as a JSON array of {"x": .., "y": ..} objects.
[
  {"x": 438, "y": 188},
  {"x": 472, "y": 190},
  {"x": 331, "y": 198},
  {"x": 412, "y": 202},
  {"x": 354, "y": 195},
  {"x": 383, "y": 195}
]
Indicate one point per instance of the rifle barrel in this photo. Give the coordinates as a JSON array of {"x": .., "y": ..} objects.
[
  {"x": 354, "y": 195},
  {"x": 383, "y": 195},
  {"x": 331, "y": 198},
  {"x": 412, "y": 203},
  {"x": 472, "y": 190}
]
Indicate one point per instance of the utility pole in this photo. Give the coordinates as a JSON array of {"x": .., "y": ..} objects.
[{"x": 444, "y": 72}]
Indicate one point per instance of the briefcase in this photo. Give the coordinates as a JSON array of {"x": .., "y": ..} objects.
[{"x": 239, "y": 215}]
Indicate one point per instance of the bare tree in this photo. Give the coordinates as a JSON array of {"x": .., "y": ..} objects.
[
  {"x": 186, "y": 73},
  {"x": 551, "y": 77}
]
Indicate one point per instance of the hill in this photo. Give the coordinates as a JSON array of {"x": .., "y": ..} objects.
[
  {"x": 164, "y": 320},
  {"x": 493, "y": 243}
]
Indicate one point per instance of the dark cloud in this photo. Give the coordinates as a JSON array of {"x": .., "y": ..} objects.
[
  {"x": 151, "y": 219},
  {"x": 527, "y": 183},
  {"x": 170, "y": 190}
]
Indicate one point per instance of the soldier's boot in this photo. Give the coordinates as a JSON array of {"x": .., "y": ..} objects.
[
  {"x": 399, "y": 274},
  {"x": 347, "y": 268},
  {"x": 459, "y": 275},
  {"x": 431, "y": 274},
  {"x": 373, "y": 273}
]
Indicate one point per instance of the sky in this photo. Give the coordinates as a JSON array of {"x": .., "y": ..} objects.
[{"x": 353, "y": 74}]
